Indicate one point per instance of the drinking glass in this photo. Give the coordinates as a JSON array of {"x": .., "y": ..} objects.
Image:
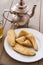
[{"x": 2, "y": 24}]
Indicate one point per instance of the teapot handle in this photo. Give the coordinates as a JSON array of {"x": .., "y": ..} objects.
[{"x": 6, "y": 17}]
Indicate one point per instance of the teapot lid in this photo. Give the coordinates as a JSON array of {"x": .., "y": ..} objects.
[{"x": 21, "y": 7}]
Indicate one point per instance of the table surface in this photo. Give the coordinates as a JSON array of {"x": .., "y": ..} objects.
[{"x": 36, "y": 22}]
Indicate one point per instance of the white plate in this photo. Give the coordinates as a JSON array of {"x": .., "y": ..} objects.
[{"x": 22, "y": 58}]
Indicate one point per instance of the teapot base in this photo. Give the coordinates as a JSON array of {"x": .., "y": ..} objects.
[{"x": 24, "y": 26}]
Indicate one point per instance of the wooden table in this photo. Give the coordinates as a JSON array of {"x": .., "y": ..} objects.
[{"x": 36, "y": 22}]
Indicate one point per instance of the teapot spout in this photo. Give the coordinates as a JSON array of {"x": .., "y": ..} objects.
[{"x": 33, "y": 11}]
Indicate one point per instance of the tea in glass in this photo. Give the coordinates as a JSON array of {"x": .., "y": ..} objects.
[{"x": 1, "y": 29}]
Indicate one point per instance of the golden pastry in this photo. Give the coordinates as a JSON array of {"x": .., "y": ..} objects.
[
  {"x": 22, "y": 40},
  {"x": 11, "y": 37},
  {"x": 27, "y": 43},
  {"x": 22, "y": 33},
  {"x": 23, "y": 50},
  {"x": 33, "y": 41}
]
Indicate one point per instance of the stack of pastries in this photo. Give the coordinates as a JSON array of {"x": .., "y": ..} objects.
[{"x": 22, "y": 42}]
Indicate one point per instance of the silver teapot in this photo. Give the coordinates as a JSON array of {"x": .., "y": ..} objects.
[{"x": 20, "y": 16}]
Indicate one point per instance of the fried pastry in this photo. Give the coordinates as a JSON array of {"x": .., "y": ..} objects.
[
  {"x": 27, "y": 43},
  {"x": 23, "y": 50},
  {"x": 11, "y": 37},
  {"x": 22, "y": 40},
  {"x": 33, "y": 41},
  {"x": 22, "y": 33}
]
